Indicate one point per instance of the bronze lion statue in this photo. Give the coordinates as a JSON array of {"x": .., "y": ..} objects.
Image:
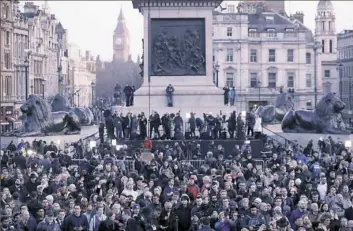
[
  {"x": 85, "y": 115},
  {"x": 325, "y": 118},
  {"x": 38, "y": 120}
]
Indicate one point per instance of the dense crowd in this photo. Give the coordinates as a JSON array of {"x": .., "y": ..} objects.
[
  {"x": 44, "y": 189},
  {"x": 173, "y": 126}
]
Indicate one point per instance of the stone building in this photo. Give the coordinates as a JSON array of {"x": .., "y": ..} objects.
[
  {"x": 121, "y": 40},
  {"x": 258, "y": 49},
  {"x": 43, "y": 48},
  {"x": 8, "y": 97},
  {"x": 81, "y": 75},
  {"x": 345, "y": 62},
  {"x": 325, "y": 35},
  {"x": 122, "y": 69}
]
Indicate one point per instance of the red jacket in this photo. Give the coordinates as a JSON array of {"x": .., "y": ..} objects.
[{"x": 147, "y": 144}]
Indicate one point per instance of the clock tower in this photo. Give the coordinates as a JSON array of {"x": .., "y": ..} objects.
[{"x": 121, "y": 40}]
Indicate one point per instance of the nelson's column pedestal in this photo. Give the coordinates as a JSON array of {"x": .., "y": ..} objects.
[{"x": 178, "y": 51}]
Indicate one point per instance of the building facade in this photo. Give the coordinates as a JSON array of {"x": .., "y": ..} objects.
[
  {"x": 43, "y": 50},
  {"x": 121, "y": 40},
  {"x": 7, "y": 76},
  {"x": 260, "y": 51},
  {"x": 82, "y": 76},
  {"x": 325, "y": 37},
  {"x": 345, "y": 63}
]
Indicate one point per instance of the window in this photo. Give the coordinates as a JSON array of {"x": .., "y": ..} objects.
[
  {"x": 290, "y": 55},
  {"x": 7, "y": 38},
  {"x": 290, "y": 79},
  {"x": 323, "y": 26},
  {"x": 327, "y": 73},
  {"x": 323, "y": 46},
  {"x": 272, "y": 79},
  {"x": 212, "y": 31},
  {"x": 253, "y": 56},
  {"x": 308, "y": 58},
  {"x": 331, "y": 46},
  {"x": 8, "y": 86},
  {"x": 230, "y": 79},
  {"x": 253, "y": 79},
  {"x": 252, "y": 33},
  {"x": 229, "y": 57},
  {"x": 329, "y": 25},
  {"x": 272, "y": 55},
  {"x": 229, "y": 31},
  {"x": 271, "y": 33},
  {"x": 308, "y": 80},
  {"x": 231, "y": 8},
  {"x": 7, "y": 59}
]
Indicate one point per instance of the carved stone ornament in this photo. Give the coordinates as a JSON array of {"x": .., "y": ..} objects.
[{"x": 178, "y": 47}]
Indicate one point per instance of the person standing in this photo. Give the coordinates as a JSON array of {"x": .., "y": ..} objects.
[
  {"x": 128, "y": 94},
  {"x": 169, "y": 92},
  {"x": 258, "y": 127},
  {"x": 143, "y": 126},
  {"x": 250, "y": 122},
  {"x": 132, "y": 95},
  {"x": 226, "y": 95},
  {"x": 231, "y": 95}
]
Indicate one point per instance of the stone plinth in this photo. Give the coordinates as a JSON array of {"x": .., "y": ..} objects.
[
  {"x": 192, "y": 91},
  {"x": 63, "y": 139}
]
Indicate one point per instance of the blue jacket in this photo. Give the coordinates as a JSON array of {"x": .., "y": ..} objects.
[
  {"x": 205, "y": 228},
  {"x": 226, "y": 225},
  {"x": 295, "y": 214}
]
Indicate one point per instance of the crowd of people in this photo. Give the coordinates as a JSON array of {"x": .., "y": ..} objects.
[
  {"x": 173, "y": 127},
  {"x": 44, "y": 188}
]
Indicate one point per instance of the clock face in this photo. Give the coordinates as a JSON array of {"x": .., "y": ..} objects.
[{"x": 118, "y": 41}]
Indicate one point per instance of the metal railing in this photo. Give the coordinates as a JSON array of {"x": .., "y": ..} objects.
[{"x": 277, "y": 138}]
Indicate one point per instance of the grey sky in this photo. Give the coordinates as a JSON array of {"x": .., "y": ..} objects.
[{"x": 91, "y": 23}]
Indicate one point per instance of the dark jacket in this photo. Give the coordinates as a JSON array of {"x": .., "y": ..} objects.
[
  {"x": 73, "y": 221},
  {"x": 135, "y": 224},
  {"x": 108, "y": 225}
]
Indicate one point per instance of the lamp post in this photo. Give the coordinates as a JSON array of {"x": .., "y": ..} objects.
[
  {"x": 216, "y": 68},
  {"x": 78, "y": 99},
  {"x": 339, "y": 68},
  {"x": 259, "y": 93},
  {"x": 43, "y": 88},
  {"x": 317, "y": 45},
  {"x": 26, "y": 65},
  {"x": 92, "y": 86}
]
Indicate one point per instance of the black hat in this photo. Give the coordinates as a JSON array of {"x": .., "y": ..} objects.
[{"x": 282, "y": 223}]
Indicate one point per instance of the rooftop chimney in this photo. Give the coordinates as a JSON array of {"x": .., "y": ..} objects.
[{"x": 299, "y": 16}]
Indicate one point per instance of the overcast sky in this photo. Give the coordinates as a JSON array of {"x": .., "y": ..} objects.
[{"x": 91, "y": 23}]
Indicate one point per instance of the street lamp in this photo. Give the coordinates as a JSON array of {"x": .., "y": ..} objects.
[
  {"x": 317, "y": 45},
  {"x": 26, "y": 64},
  {"x": 92, "y": 86},
  {"x": 43, "y": 88},
  {"x": 216, "y": 68},
  {"x": 339, "y": 68},
  {"x": 78, "y": 99}
]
